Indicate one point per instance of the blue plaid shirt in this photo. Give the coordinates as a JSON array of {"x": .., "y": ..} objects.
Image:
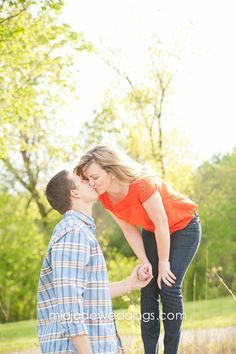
[{"x": 73, "y": 294}]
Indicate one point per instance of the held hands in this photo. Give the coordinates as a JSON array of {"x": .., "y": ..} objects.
[
  {"x": 164, "y": 273},
  {"x": 137, "y": 282},
  {"x": 144, "y": 271}
]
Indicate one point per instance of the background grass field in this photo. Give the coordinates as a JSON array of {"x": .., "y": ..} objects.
[{"x": 200, "y": 314}]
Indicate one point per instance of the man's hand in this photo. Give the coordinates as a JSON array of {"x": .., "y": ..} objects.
[
  {"x": 145, "y": 270},
  {"x": 137, "y": 283},
  {"x": 82, "y": 344}
]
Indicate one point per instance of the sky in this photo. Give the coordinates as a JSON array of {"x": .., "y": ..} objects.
[{"x": 203, "y": 100}]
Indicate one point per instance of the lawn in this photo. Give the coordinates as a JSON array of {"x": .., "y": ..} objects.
[
  {"x": 18, "y": 335},
  {"x": 201, "y": 314}
]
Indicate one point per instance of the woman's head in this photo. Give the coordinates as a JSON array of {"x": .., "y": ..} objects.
[{"x": 103, "y": 164}]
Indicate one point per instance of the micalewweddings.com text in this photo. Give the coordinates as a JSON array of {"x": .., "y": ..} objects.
[{"x": 125, "y": 316}]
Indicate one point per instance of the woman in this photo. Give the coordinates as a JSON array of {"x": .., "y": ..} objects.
[{"x": 170, "y": 236}]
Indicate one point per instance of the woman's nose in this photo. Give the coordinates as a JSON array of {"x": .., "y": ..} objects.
[{"x": 91, "y": 183}]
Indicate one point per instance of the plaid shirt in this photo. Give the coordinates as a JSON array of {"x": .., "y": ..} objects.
[{"x": 73, "y": 294}]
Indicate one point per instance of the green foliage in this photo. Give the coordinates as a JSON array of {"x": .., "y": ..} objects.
[
  {"x": 215, "y": 191},
  {"x": 178, "y": 163},
  {"x": 21, "y": 251},
  {"x": 119, "y": 268},
  {"x": 11, "y": 8},
  {"x": 32, "y": 63},
  {"x": 37, "y": 70}
]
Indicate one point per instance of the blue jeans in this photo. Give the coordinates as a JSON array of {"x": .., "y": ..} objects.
[{"x": 183, "y": 247}]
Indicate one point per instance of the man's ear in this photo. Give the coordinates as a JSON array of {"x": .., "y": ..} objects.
[{"x": 74, "y": 193}]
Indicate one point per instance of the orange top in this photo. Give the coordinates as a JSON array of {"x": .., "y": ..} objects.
[{"x": 179, "y": 209}]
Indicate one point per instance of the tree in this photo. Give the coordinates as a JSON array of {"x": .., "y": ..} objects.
[
  {"x": 144, "y": 101},
  {"x": 215, "y": 186},
  {"x": 21, "y": 250},
  {"x": 10, "y": 9},
  {"x": 132, "y": 112},
  {"x": 36, "y": 70}
]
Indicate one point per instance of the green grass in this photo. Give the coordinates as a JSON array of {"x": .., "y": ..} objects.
[
  {"x": 18, "y": 335},
  {"x": 200, "y": 314},
  {"x": 210, "y": 313}
]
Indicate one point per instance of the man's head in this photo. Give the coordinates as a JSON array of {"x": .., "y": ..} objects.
[{"x": 65, "y": 190}]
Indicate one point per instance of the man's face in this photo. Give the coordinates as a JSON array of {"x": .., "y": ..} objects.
[{"x": 86, "y": 192}]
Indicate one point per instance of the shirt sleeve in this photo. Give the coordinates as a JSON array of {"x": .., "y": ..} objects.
[
  {"x": 70, "y": 256},
  {"x": 146, "y": 188}
]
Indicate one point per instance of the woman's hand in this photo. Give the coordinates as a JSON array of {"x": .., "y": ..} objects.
[{"x": 165, "y": 274}]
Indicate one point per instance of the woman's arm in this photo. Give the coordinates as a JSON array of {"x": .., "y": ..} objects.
[
  {"x": 135, "y": 241},
  {"x": 155, "y": 210}
]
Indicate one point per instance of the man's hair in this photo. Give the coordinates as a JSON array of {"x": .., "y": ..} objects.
[{"x": 58, "y": 191}]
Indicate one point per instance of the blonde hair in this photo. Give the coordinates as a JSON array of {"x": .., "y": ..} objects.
[{"x": 113, "y": 161}]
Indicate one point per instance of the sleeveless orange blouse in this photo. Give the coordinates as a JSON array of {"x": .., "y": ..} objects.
[{"x": 179, "y": 209}]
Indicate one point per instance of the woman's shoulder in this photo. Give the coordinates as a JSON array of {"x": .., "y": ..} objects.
[
  {"x": 146, "y": 186},
  {"x": 147, "y": 181}
]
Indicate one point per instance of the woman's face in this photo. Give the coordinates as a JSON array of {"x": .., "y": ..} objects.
[{"x": 98, "y": 178}]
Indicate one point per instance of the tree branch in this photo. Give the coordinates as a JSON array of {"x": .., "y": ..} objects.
[
  {"x": 14, "y": 173},
  {"x": 12, "y": 16}
]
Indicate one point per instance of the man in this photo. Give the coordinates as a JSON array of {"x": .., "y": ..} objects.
[{"x": 75, "y": 312}]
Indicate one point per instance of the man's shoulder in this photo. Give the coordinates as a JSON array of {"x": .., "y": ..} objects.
[
  {"x": 68, "y": 222},
  {"x": 70, "y": 225}
]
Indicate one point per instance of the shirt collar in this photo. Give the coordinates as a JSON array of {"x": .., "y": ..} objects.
[{"x": 78, "y": 214}]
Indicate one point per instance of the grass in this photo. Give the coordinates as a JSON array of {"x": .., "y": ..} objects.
[
  {"x": 214, "y": 313},
  {"x": 201, "y": 314},
  {"x": 18, "y": 335}
]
